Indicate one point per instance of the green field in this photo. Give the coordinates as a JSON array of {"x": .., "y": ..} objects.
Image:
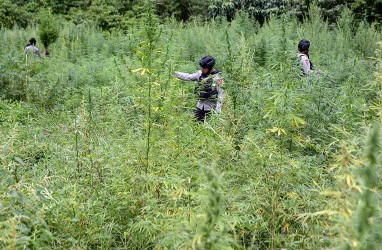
[{"x": 99, "y": 149}]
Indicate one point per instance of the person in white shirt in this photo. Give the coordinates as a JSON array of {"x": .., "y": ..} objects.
[
  {"x": 31, "y": 47},
  {"x": 303, "y": 53},
  {"x": 209, "y": 91}
]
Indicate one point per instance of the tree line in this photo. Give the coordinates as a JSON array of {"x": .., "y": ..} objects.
[{"x": 116, "y": 14}]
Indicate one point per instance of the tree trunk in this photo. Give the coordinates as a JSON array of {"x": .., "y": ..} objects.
[{"x": 46, "y": 53}]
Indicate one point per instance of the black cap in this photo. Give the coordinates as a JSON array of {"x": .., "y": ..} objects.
[
  {"x": 207, "y": 62},
  {"x": 32, "y": 40},
  {"x": 303, "y": 45}
]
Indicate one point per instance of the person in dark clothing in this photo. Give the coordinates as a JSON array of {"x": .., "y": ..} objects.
[{"x": 208, "y": 88}]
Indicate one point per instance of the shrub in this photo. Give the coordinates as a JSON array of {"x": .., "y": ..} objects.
[{"x": 48, "y": 30}]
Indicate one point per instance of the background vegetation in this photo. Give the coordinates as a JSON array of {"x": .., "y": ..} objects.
[
  {"x": 98, "y": 148},
  {"x": 116, "y": 14}
]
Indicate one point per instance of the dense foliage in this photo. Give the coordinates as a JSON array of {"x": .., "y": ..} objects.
[
  {"x": 48, "y": 30},
  {"x": 98, "y": 148},
  {"x": 370, "y": 10},
  {"x": 116, "y": 14}
]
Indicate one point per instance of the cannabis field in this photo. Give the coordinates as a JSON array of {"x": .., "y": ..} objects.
[{"x": 99, "y": 149}]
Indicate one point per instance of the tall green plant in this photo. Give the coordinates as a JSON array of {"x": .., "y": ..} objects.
[
  {"x": 376, "y": 106},
  {"x": 48, "y": 30},
  {"x": 210, "y": 235},
  {"x": 146, "y": 53},
  {"x": 368, "y": 215}
]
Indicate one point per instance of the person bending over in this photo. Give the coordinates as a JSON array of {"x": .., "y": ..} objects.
[{"x": 31, "y": 47}]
